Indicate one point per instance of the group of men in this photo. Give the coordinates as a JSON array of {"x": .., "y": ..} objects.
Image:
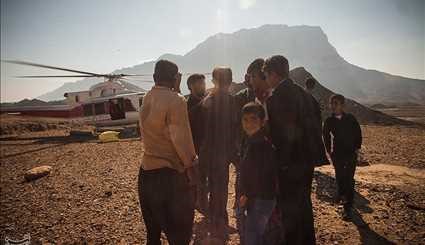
[{"x": 271, "y": 132}]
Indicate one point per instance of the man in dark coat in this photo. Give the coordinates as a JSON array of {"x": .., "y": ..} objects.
[
  {"x": 196, "y": 86},
  {"x": 289, "y": 111},
  {"x": 219, "y": 147}
]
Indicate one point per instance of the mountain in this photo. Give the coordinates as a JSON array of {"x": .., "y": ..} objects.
[{"x": 305, "y": 46}]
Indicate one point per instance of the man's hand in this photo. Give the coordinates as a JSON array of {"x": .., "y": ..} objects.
[{"x": 243, "y": 200}]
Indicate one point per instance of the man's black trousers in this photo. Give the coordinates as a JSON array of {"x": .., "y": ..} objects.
[
  {"x": 218, "y": 180},
  {"x": 345, "y": 168},
  {"x": 167, "y": 204},
  {"x": 295, "y": 204}
]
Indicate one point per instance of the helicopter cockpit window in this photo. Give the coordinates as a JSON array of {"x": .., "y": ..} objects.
[
  {"x": 116, "y": 109},
  {"x": 140, "y": 101},
  {"x": 128, "y": 105},
  {"x": 99, "y": 108},
  {"x": 88, "y": 110}
]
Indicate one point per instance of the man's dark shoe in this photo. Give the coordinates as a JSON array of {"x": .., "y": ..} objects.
[
  {"x": 337, "y": 199},
  {"x": 347, "y": 214}
]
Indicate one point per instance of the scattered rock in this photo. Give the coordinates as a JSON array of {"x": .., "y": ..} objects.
[
  {"x": 37, "y": 172},
  {"x": 415, "y": 206}
]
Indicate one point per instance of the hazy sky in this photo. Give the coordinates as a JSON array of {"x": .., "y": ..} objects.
[{"x": 101, "y": 36}]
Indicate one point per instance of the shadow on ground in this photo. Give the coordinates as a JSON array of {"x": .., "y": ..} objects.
[{"x": 325, "y": 191}]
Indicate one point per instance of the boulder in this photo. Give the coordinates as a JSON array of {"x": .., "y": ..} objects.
[{"x": 37, "y": 172}]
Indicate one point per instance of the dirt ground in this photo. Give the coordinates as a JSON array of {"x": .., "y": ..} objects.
[{"x": 90, "y": 197}]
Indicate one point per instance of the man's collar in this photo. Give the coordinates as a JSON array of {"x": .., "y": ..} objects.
[
  {"x": 258, "y": 136},
  {"x": 340, "y": 115},
  {"x": 286, "y": 80},
  {"x": 279, "y": 84},
  {"x": 196, "y": 97},
  {"x": 160, "y": 87}
]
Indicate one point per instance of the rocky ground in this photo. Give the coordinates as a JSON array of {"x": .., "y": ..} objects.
[{"x": 90, "y": 197}]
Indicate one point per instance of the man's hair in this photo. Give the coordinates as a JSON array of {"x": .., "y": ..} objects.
[
  {"x": 222, "y": 75},
  {"x": 254, "y": 108},
  {"x": 194, "y": 78},
  {"x": 278, "y": 64},
  {"x": 165, "y": 72},
  {"x": 338, "y": 97},
  {"x": 256, "y": 67},
  {"x": 310, "y": 82}
]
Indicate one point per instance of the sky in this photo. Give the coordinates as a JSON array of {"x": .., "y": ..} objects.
[{"x": 104, "y": 35}]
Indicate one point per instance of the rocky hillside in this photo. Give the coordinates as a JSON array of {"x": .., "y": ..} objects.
[{"x": 364, "y": 114}]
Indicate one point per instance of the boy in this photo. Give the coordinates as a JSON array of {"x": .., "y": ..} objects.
[
  {"x": 244, "y": 97},
  {"x": 258, "y": 174},
  {"x": 347, "y": 140}
]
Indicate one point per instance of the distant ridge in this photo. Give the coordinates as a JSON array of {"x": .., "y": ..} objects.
[{"x": 305, "y": 46}]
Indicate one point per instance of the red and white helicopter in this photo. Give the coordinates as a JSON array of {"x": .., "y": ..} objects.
[{"x": 110, "y": 103}]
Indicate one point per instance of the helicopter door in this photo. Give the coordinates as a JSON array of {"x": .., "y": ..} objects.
[{"x": 116, "y": 108}]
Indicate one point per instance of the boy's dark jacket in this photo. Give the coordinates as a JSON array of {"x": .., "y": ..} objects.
[
  {"x": 259, "y": 168},
  {"x": 347, "y": 134}
]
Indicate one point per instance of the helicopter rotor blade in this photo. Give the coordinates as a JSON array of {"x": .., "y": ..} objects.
[
  {"x": 134, "y": 80},
  {"x": 52, "y": 67},
  {"x": 136, "y": 75},
  {"x": 54, "y": 76}
]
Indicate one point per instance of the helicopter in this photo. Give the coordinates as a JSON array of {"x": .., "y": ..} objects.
[{"x": 113, "y": 102}]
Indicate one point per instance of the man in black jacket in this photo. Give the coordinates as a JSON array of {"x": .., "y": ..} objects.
[
  {"x": 196, "y": 86},
  {"x": 289, "y": 110},
  {"x": 347, "y": 140}
]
